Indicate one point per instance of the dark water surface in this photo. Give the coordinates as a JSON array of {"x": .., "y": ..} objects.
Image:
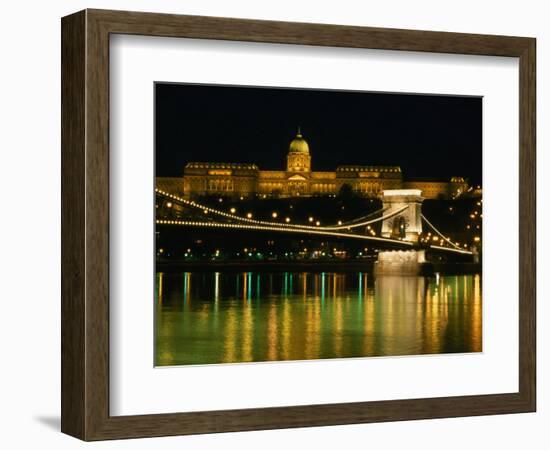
[{"x": 219, "y": 317}]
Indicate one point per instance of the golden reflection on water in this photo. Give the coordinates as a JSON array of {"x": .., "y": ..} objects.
[
  {"x": 293, "y": 316},
  {"x": 247, "y": 334},
  {"x": 187, "y": 289},
  {"x": 159, "y": 287},
  {"x": 476, "y": 324},
  {"x": 273, "y": 336},
  {"x": 286, "y": 331}
]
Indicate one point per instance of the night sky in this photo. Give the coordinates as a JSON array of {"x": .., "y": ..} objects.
[{"x": 428, "y": 136}]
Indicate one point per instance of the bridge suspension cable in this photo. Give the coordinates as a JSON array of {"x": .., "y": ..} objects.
[
  {"x": 439, "y": 233},
  {"x": 297, "y": 230},
  {"x": 316, "y": 231},
  {"x": 285, "y": 225},
  {"x": 368, "y": 216},
  {"x": 450, "y": 249},
  {"x": 367, "y": 222},
  {"x": 252, "y": 224}
]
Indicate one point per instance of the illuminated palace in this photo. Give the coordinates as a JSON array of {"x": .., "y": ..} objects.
[{"x": 246, "y": 180}]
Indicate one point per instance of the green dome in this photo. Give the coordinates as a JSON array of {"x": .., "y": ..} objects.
[{"x": 299, "y": 144}]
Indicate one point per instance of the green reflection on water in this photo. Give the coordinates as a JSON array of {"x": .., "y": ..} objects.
[{"x": 217, "y": 317}]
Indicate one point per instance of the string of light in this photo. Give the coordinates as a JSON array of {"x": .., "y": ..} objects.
[
  {"x": 281, "y": 229},
  {"x": 454, "y": 250},
  {"x": 345, "y": 226},
  {"x": 294, "y": 228},
  {"x": 440, "y": 234}
]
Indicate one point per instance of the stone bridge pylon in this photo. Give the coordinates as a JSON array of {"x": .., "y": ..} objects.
[{"x": 406, "y": 225}]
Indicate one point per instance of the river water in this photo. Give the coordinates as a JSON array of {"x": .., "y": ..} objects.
[{"x": 223, "y": 317}]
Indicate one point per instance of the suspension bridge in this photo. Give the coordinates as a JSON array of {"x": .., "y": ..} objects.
[{"x": 400, "y": 215}]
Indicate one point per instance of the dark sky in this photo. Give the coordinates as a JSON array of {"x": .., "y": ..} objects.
[{"x": 428, "y": 136}]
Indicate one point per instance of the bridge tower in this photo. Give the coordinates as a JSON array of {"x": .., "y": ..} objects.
[{"x": 406, "y": 225}]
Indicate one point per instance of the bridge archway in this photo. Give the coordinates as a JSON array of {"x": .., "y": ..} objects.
[
  {"x": 406, "y": 225},
  {"x": 399, "y": 228}
]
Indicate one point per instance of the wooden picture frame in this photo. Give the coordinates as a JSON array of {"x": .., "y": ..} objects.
[{"x": 85, "y": 224}]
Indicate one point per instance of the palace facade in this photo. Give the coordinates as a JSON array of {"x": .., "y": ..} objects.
[{"x": 246, "y": 180}]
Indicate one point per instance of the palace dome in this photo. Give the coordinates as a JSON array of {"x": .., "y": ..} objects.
[{"x": 299, "y": 144}]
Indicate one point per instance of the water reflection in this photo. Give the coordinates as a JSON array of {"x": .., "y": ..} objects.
[{"x": 216, "y": 317}]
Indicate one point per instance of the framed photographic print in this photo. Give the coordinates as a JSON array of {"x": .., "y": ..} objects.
[{"x": 271, "y": 224}]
